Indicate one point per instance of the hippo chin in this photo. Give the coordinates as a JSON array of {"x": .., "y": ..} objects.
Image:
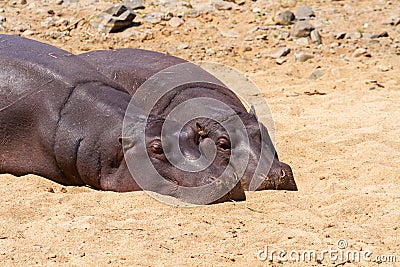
[
  {"x": 63, "y": 120},
  {"x": 133, "y": 67}
]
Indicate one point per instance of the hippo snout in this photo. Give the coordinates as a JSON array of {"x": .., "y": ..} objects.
[{"x": 280, "y": 177}]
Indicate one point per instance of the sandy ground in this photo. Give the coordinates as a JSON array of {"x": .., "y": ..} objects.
[{"x": 343, "y": 146}]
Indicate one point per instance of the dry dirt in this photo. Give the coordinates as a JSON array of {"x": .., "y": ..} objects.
[{"x": 343, "y": 145}]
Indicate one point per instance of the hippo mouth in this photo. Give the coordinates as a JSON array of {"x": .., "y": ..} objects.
[
  {"x": 221, "y": 191},
  {"x": 283, "y": 181}
]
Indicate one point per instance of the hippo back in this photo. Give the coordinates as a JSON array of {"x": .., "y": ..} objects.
[
  {"x": 27, "y": 65},
  {"x": 133, "y": 67}
]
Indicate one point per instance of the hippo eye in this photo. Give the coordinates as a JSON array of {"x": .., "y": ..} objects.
[
  {"x": 156, "y": 148},
  {"x": 223, "y": 144}
]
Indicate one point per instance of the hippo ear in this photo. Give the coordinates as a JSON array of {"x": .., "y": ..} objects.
[
  {"x": 126, "y": 142},
  {"x": 200, "y": 129},
  {"x": 253, "y": 111}
]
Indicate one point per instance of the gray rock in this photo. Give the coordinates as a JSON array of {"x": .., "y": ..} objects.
[
  {"x": 183, "y": 46},
  {"x": 280, "y": 52},
  {"x": 285, "y": 18},
  {"x": 222, "y": 5},
  {"x": 353, "y": 35},
  {"x": 134, "y": 4},
  {"x": 175, "y": 22},
  {"x": 340, "y": 35},
  {"x": 394, "y": 21},
  {"x": 316, "y": 37},
  {"x": 303, "y": 57},
  {"x": 153, "y": 18},
  {"x": 302, "y": 29},
  {"x": 115, "y": 18},
  {"x": 383, "y": 34},
  {"x": 280, "y": 61},
  {"x": 316, "y": 74},
  {"x": 304, "y": 12},
  {"x": 361, "y": 52},
  {"x": 302, "y": 41},
  {"x": 193, "y": 13}
]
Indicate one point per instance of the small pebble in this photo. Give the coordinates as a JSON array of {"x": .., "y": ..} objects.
[
  {"x": 285, "y": 18},
  {"x": 360, "y": 52},
  {"x": 304, "y": 12},
  {"x": 303, "y": 57},
  {"x": 280, "y": 52},
  {"x": 302, "y": 29},
  {"x": 175, "y": 22},
  {"x": 316, "y": 37},
  {"x": 280, "y": 61},
  {"x": 316, "y": 74}
]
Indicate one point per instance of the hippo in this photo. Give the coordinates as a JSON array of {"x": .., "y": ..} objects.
[
  {"x": 133, "y": 67},
  {"x": 63, "y": 120}
]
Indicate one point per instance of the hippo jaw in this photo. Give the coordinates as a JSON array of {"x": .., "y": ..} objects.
[{"x": 280, "y": 177}]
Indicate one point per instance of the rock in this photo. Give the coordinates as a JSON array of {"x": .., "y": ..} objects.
[
  {"x": 394, "y": 21},
  {"x": 285, "y": 18},
  {"x": 1, "y": 27},
  {"x": 134, "y": 4},
  {"x": 280, "y": 52},
  {"x": 3, "y": 19},
  {"x": 115, "y": 18},
  {"x": 304, "y": 12},
  {"x": 222, "y": 5},
  {"x": 27, "y": 33},
  {"x": 182, "y": 46},
  {"x": 316, "y": 37},
  {"x": 263, "y": 36},
  {"x": 175, "y": 22},
  {"x": 48, "y": 22},
  {"x": 353, "y": 35},
  {"x": 247, "y": 49},
  {"x": 61, "y": 22},
  {"x": 210, "y": 51},
  {"x": 384, "y": 68},
  {"x": 193, "y": 13},
  {"x": 239, "y": 2},
  {"x": 340, "y": 35},
  {"x": 302, "y": 57},
  {"x": 229, "y": 33},
  {"x": 316, "y": 74},
  {"x": 361, "y": 52},
  {"x": 302, "y": 29},
  {"x": 256, "y": 10},
  {"x": 383, "y": 34},
  {"x": 153, "y": 18},
  {"x": 280, "y": 61},
  {"x": 302, "y": 41}
]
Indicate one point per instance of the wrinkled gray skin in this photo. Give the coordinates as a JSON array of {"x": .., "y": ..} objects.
[
  {"x": 132, "y": 67},
  {"x": 62, "y": 119}
]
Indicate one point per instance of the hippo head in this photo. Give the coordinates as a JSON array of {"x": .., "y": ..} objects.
[
  {"x": 156, "y": 170},
  {"x": 264, "y": 171}
]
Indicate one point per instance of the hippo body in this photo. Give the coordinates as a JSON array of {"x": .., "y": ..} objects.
[
  {"x": 41, "y": 87},
  {"x": 133, "y": 67},
  {"x": 62, "y": 119}
]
